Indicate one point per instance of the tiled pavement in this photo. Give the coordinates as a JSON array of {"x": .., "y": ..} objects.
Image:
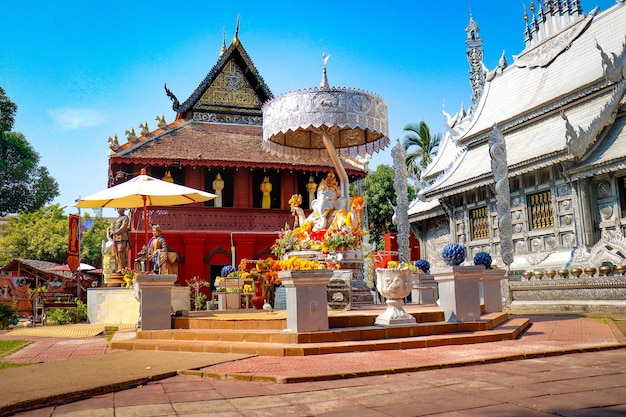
[{"x": 591, "y": 383}]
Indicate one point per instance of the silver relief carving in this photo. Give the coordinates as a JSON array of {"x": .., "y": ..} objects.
[
  {"x": 499, "y": 168},
  {"x": 604, "y": 189},
  {"x": 331, "y": 107},
  {"x": 398, "y": 153},
  {"x": 606, "y": 212},
  {"x": 567, "y": 204},
  {"x": 579, "y": 139},
  {"x": 545, "y": 52}
]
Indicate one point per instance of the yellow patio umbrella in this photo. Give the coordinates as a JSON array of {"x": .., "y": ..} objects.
[{"x": 144, "y": 191}]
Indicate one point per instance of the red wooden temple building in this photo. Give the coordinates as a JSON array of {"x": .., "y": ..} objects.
[{"x": 215, "y": 141}]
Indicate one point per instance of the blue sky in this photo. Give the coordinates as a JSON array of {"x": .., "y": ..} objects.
[{"x": 81, "y": 71}]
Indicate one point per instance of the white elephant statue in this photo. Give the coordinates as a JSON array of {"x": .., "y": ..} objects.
[{"x": 325, "y": 206}]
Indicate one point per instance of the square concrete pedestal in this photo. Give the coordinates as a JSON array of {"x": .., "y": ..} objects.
[
  {"x": 306, "y": 295},
  {"x": 490, "y": 289},
  {"x": 424, "y": 290},
  {"x": 155, "y": 295},
  {"x": 459, "y": 293}
]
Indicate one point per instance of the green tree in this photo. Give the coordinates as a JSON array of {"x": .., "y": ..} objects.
[
  {"x": 380, "y": 196},
  {"x": 7, "y": 112},
  {"x": 24, "y": 185},
  {"x": 91, "y": 243},
  {"x": 425, "y": 145},
  {"x": 41, "y": 234}
]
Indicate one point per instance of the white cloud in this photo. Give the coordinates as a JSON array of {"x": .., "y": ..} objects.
[{"x": 73, "y": 119}]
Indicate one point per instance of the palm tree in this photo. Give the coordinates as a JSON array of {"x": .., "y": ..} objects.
[{"x": 419, "y": 137}]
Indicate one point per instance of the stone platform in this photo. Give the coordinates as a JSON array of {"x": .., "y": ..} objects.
[{"x": 263, "y": 333}]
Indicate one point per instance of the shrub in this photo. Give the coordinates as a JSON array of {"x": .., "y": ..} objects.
[
  {"x": 423, "y": 265},
  {"x": 62, "y": 316},
  {"x": 8, "y": 316},
  {"x": 483, "y": 258},
  {"x": 453, "y": 254}
]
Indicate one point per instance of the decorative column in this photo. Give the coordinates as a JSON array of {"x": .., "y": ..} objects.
[
  {"x": 459, "y": 293},
  {"x": 491, "y": 289},
  {"x": 155, "y": 301},
  {"x": 307, "y": 306}
]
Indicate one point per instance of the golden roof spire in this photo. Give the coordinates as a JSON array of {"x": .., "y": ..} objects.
[
  {"x": 236, "y": 38},
  {"x": 223, "y": 44}
]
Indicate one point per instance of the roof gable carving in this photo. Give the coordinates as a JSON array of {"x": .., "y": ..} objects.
[
  {"x": 579, "y": 139},
  {"x": 233, "y": 91},
  {"x": 545, "y": 52}
]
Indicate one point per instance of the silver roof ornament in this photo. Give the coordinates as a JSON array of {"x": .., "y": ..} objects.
[{"x": 326, "y": 120}]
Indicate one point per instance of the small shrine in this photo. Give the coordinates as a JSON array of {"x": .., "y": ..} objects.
[{"x": 214, "y": 143}]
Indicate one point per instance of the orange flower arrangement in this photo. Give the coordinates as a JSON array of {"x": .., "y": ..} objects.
[{"x": 293, "y": 263}]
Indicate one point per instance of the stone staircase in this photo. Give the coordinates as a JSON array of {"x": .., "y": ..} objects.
[{"x": 263, "y": 333}]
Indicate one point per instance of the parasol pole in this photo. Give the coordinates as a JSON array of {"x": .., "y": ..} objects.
[
  {"x": 344, "y": 183},
  {"x": 145, "y": 219},
  {"x": 145, "y": 231}
]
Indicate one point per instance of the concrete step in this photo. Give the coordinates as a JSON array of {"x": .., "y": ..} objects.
[
  {"x": 243, "y": 320},
  {"x": 494, "y": 327}
]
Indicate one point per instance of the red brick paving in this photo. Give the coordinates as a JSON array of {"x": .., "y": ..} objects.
[{"x": 579, "y": 384}]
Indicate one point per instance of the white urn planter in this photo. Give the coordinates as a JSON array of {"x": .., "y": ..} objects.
[{"x": 394, "y": 284}]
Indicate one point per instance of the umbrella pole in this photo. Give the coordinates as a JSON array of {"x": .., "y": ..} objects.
[
  {"x": 341, "y": 170},
  {"x": 145, "y": 231}
]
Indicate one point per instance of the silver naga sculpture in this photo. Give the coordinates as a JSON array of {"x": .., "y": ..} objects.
[
  {"x": 398, "y": 153},
  {"x": 500, "y": 170}
]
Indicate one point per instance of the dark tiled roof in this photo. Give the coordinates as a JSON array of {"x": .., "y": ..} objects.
[
  {"x": 35, "y": 267},
  {"x": 208, "y": 144}
]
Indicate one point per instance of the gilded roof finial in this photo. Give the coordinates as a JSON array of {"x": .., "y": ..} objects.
[
  {"x": 168, "y": 177},
  {"x": 223, "y": 43},
  {"x": 324, "y": 83},
  {"x": 236, "y": 38},
  {"x": 525, "y": 14}
]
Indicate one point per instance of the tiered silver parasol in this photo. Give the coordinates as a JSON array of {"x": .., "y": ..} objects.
[{"x": 336, "y": 121}]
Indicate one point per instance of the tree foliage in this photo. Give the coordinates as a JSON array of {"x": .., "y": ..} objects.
[
  {"x": 42, "y": 234},
  {"x": 424, "y": 145},
  {"x": 24, "y": 185},
  {"x": 91, "y": 243},
  {"x": 381, "y": 200},
  {"x": 7, "y": 112}
]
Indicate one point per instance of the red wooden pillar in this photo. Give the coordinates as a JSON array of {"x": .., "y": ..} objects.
[
  {"x": 194, "y": 255},
  {"x": 244, "y": 246}
]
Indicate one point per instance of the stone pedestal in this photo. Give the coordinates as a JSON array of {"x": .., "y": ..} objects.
[
  {"x": 340, "y": 290},
  {"x": 490, "y": 289},
  {"x": 307, "y": 308},
  {"x": 228, "y": 300},
  {"x": 115, "y": 280},
  {"x": 112, "y": 305},
  {"x": 155, "y": 294},
  {"x": 424, "y": 289},
  {"x": 348, "y": 259},
  {"x": 117, "y": 305},
  {"x": 459, "y": 292}
]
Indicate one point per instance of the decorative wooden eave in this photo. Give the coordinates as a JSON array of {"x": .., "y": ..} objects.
[{"x": 204, "y": 163}]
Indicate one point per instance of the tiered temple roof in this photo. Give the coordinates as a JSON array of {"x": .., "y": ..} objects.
[
  {"x": 219, "y": 125},
  {"x": 552, "y": 105}
]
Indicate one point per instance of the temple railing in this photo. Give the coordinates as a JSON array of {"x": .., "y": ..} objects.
[{"x": 213, "y": 219}]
